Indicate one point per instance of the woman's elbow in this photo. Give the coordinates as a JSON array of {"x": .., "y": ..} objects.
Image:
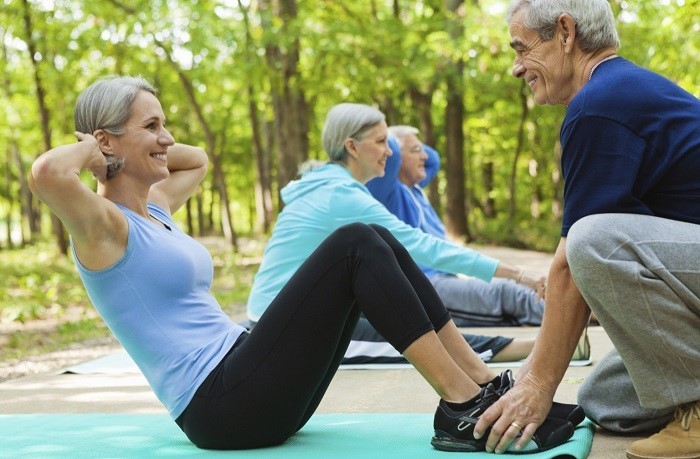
[
  {"x": 203, "y": 167},
  {"x": 202, "y": 156},
  {"x": 40, "y": 175}
]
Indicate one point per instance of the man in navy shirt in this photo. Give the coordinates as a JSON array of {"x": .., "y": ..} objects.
[{"x": 630, "y": 238}]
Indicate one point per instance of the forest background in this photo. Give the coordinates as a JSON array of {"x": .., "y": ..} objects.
[{"x": 251, "y": 82}]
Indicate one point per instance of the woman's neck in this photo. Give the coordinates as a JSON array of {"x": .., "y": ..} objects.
[{"x": 129, "y": 197}]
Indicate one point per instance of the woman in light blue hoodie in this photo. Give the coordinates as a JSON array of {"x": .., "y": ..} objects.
[{"x": 334, "y": 194}]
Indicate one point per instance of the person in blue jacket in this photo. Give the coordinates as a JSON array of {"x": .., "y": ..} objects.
[{"x": 471, "y": 301}]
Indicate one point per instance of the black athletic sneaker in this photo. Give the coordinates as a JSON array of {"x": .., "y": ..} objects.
[
  {"x": 454, "y": 431},
  {"x": 569, "y": 412}
]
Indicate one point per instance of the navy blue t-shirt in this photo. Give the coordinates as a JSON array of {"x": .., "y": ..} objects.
[{"x": 631, "y": 144}]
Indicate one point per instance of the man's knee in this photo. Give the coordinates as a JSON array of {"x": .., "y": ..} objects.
[{"x": 587, "y": 244}]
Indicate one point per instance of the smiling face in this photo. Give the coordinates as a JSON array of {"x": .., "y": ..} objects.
[
  {"x": 413, "y": 159},
  {"x": 367, "y": 156},
  {"x": 544, "y": 65},
  {"x": 145, "y": 142}
]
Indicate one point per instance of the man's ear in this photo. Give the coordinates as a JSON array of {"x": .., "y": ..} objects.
[
  {"x": 103, "y": 141},
  {"x": 566, "y": 29}
]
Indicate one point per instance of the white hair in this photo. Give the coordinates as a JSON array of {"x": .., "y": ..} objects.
[
  {"x": 595, "y": 22},
  {"x": 400, "y": 130}
]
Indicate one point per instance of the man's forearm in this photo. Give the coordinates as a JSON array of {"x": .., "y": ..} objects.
[{"x": 565, "y": 316}]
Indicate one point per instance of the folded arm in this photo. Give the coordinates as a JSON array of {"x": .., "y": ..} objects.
[
  {"x": 188, "y": 166},
  {"x": 95, "y": 224}
]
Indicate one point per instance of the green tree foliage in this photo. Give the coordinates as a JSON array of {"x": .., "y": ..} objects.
[{"x": 208, "y": 57}]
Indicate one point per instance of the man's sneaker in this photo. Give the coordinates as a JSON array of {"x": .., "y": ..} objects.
[
  {"x": 454, "y": 431},
  {"x": 680, "y": 439},
  {"x": 569, "y": 412}
]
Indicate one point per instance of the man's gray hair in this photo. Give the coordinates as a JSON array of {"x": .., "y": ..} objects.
[
  {"x": 400, "y": 130},
  {"x": 347, "y": 120},
  {"x": 106, "y": 104},
  {"x": 595, "y": 22}
]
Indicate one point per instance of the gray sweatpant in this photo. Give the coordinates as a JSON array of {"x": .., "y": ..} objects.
[
  {"x": 641, "y": 277},
  {"x": 499, "y": 303}
]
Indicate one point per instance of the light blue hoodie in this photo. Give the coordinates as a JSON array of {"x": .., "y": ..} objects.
[{"x": 327, "y": 198}]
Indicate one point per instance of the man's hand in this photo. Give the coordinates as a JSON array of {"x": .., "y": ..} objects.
[{"x": 521, "y": 410}]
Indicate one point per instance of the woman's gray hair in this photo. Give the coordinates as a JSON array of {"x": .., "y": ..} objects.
[
  {"x": 106, "y": 104},
  {"x": 595, "y": 22},
  {"x": 400, "y": 130},
  {"x": 347, "y": 120}
]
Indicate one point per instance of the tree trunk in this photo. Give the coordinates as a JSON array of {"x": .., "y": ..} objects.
[
  {"x": 188, "y": 217},
  {"x": 514, "y": 166},
  {"x": 268, "y": 128},
  {"x": 28, "y": 214},
  {"x": 214, "y": 193},
  {"x": 199, "y": 205},
  {"x": 488, "y": 203},
  {"x": 456, "y": 206},
  {"x": 25, "y": 194},
  {"x": 7, "y": 194},
  {"x": 557, "y": 183},
  {"x": 57, "y": 226},
  {"x": 263, "y": 180},
  {"x": 288, "y": 98}
]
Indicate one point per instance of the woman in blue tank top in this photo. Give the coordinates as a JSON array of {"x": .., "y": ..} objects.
[{"x": 225, "y": 388}]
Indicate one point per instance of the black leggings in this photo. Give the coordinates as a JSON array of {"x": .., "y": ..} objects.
[{"x": 272, "y": 381}]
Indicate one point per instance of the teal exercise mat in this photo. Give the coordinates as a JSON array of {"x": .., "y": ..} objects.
[{"x": 337, "y": 436}]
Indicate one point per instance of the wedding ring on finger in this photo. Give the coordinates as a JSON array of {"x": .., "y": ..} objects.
[{"x": 515, "y": 424}]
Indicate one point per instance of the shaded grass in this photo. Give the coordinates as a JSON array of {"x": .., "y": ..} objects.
[
  {"x": 540, "y": 235},
  {"x": 25, "y": 343},
  {"x": 38, "y": 283}
]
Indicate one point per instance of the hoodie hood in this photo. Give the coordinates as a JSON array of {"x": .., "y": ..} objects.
[{"x": 330, "y": 173}]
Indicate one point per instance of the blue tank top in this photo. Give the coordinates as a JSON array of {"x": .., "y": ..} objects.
[{"x": 156, "y": 300}]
